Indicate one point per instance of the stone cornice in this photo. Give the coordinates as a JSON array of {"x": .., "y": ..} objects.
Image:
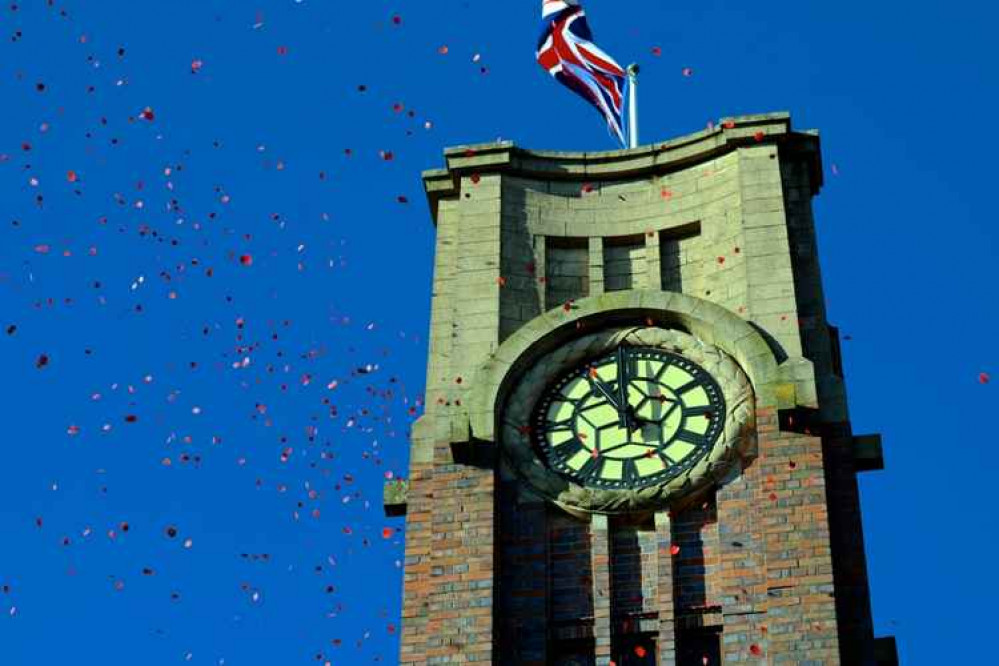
[{"x": 651, "y": 160}]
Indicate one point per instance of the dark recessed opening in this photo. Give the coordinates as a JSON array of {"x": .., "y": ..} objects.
[{"x": 699, "y": 646}]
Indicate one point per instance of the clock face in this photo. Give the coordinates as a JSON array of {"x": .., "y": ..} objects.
[{"x": 633, "y": 418}]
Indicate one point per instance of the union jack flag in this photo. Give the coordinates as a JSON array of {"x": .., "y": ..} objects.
[{"x": 567, "y": 51}]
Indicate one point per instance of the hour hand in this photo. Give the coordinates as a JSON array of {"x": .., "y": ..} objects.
[
  {"x": 612, "y": 396},
  {"x": 604, "y": 390}
]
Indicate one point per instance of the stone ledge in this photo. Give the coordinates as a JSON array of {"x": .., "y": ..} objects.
[
  {"x": 885, "y": 651},
  {"x": 474, "y": 453},
  {"x": 868, "y": 455},
  {"x": 395, "y": 498}
]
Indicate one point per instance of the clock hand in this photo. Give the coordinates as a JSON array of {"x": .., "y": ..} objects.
[
  {"x": 669, "y": 412},
  {"x": 622, "y": 390},
  {"x": 604, "y": 389}
]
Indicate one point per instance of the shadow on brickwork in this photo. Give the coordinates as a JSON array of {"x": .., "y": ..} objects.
[{"x": 545, "y": 614}]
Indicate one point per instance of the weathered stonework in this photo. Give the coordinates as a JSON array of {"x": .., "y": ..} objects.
[
  {"x": 737, "y": 439},
  {"x": 709, "y": 234}
]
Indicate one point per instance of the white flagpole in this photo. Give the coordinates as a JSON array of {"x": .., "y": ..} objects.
[{"x": 633, "y": 105}]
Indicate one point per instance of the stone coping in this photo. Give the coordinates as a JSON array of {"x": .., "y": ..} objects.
[{"x": 649, "y": 160}]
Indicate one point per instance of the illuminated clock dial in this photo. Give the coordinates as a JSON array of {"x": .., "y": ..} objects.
[{"x": 630, "y": 419}]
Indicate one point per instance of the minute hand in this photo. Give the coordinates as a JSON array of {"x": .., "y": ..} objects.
[{"x": 622, "y": 387}]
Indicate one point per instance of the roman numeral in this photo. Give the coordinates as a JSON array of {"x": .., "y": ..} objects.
[
  {"x": 694, "y": 383},
  {"x": 690, "y": 438},
  {"x": 630, "y": 472},
  {"x": 591, "y": 469},
  {"x": 566, "y": 451},
  {"x": 700, "y": 411}
]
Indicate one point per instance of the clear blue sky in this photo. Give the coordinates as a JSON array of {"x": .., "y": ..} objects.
[{"x": 212, "y": 268}]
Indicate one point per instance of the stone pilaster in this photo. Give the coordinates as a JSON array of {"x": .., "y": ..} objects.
[{"x": 666, "y": 596}]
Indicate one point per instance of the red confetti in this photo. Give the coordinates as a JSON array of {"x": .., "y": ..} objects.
[
  {"x": 246, "y": 260},
  {"x": 755, "y": 650},
  {"x": 42, "y": 361},
  {"x": 759, "y": 136},
  {"x": 443, "y": 50},
  {"x": 147, "y": 114},
  {"x": 196, "y": 66},
  {"x": 984, "y": 378},
  {"x": 674, "y": 550},
  {"x": 71, "y": 176},
  {"x": 387, "y": 532},
  {"x": 657, "y": 51},
  {"x": 640, "y": 652},
  {"x": 728, "y": 124},
  {"x": 282, "y": 50},
  {"x": 396, "y": 20}
]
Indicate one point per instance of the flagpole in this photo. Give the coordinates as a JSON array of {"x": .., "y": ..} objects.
[{"x": 633, "y": 105}]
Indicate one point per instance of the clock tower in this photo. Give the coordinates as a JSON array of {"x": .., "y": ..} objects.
[{"x": 636, "y": 448}]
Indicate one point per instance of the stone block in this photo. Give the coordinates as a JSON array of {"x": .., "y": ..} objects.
[{"x": 396, "y": 497}]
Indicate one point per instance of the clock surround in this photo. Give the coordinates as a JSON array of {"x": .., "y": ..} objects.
[
  {"x": 633, "y": 418},
  {"x": 730, "y": 434}
]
